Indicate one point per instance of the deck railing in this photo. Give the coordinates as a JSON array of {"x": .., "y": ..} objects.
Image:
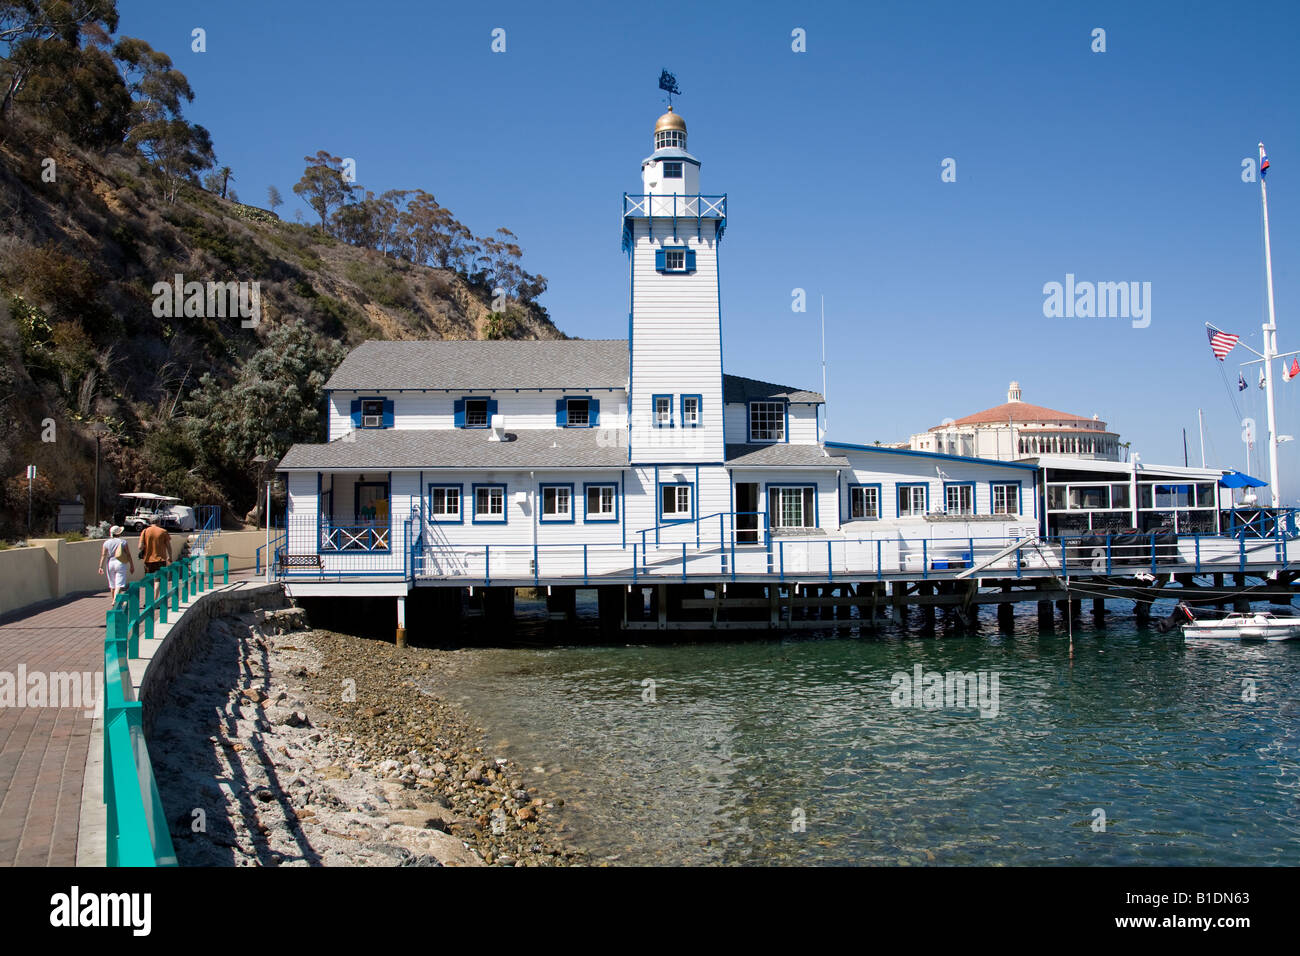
[{"x": 137, "y": 826}]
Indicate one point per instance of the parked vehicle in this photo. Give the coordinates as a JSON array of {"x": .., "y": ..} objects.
[{"x": 137, "y": 508}]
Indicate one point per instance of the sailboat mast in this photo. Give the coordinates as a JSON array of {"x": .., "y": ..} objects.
[
  {"x": 1200, "y": 423},
  {"x": 1270, "y": 339}
]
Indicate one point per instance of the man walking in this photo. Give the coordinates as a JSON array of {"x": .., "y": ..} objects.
[{"x": 155, "y": 545}]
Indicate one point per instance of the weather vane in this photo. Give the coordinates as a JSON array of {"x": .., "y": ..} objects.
[{"x": 668, "y": 83}]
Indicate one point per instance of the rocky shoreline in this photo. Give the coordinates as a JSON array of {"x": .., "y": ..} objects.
[{"x": 281, "y": 746}]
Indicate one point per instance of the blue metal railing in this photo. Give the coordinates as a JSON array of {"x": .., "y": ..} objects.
[
  {"x": 1262, "y": 522},
  {"x": 207, "y": 524}
]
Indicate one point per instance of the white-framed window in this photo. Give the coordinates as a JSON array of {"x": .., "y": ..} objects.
[
  {"x": 767, "y": 421},
  {"x": 675, "y": 502},
  {"x": 579, "y": 412},
  {"x": 670, "y": 139},
  {"x": 602, "y": 502},
  {"x": 959, "y": 499},
  {"x": 663, "y": 411},
  {"x": 557, "y": 503},
  {"x": 672, "y": 170},
  {"x": 790, "y": 507},
  {"x": 476, "y": 412},
  {"x": 1006, "y": 499},
  {"x": 444, "y": 503},
  {"x": 864, "y": 502},
  {"x": 911, "y": 500},
  {"x": 490, "y": 503},
  {"x": 690, "y": 410},
  {"x": 675, "y": 260}
]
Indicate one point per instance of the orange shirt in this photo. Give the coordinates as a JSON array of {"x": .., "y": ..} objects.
[{"x": 155, "y": 545}]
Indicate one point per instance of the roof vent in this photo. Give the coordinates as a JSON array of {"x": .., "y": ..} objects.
[{"x": 498, "y": 431}]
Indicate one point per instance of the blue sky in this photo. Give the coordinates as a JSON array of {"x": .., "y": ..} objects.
[{"x": 1115, "y": 166}]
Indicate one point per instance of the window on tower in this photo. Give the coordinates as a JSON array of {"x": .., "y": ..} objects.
[
  {"x": 670, "y": 139},
  {"x": 675, "y": 261},
  {"x": 672, "y": 170}
]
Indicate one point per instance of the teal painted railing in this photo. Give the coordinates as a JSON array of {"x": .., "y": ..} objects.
[{"x": 137, "y": 825}]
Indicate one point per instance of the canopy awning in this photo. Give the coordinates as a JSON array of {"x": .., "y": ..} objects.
[{"x": 1236, "y": 479}]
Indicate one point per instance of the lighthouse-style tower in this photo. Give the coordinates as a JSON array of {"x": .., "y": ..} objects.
[{"x": 671, "y": 233}]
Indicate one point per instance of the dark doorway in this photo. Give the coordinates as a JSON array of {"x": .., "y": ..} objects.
[{"x": 747, "y": 512}]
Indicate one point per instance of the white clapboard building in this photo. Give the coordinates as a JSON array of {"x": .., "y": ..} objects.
[{"x": 509, "y": 463}]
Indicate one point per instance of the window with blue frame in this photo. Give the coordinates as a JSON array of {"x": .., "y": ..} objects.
[
  {"x": 691, "y": 405},
  {"x": 470, "y": 412},
  {"x": 676, "y": 501},
  {"x": 1006, "y": 498},
  {"x": 601, "y": 502},
  {"x": 557, "y": 504},
  {"x": 959, "y": 498},
  {"x": 445, "y": 504},
  {"x": 672, "y": 170},
  {"x": 864, "y": 502},
  {"x": 792, "y": 506},
  {"x": 675, "y": 259},
  {"x": 372, "y": 413},
  {"x": 912, "y": 500},
  {"x": 489, "y": 504},
  {"x": 579, "y": 411},
  {"x": 663, "y": 410}
]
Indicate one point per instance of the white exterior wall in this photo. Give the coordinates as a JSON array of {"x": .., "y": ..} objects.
[
  {"x": 889, "y": 470},
  {"x": 522, "y": 410},
  {"x": 676, "y": 343}
]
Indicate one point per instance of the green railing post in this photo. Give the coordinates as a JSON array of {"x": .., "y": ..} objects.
[
  {"x": 133, "y": 619},
  {"x": 149, "y": 582},
  {"x": 184, "y": 573},
  {"x": 174, "y": 573}
]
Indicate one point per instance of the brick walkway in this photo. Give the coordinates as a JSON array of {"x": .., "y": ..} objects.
[{"x": 43, "y": 749}]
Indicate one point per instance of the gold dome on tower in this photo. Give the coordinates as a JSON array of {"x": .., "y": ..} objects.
[{"x": 670, "y": 120}]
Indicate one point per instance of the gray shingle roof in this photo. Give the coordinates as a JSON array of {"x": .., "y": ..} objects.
[
  {"x": 736, "y": 388},
  {"x": 470, "y": 364},
  {"x": 390, "y": 448},
  {"x": 782, "y": 453}
]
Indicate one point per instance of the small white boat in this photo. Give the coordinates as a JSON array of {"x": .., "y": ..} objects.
[{"x": 1251, "y": 626}]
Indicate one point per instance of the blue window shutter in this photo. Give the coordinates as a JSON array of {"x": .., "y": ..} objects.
[
  {"x": 492, "y": 409},
  {"x": 690, "y": 260},
  {"x": 388, "y": 413},
  {"x": 561, "y": 412},
  {"x": 459, "y": 408},
  {"x": 593, "y": 414},
  {"x": 660, "y": 260},
  {"x": 356, "y": 413}
]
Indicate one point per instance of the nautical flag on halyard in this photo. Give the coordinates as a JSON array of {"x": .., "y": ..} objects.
[
  {"x": 1262, "y": 378},
  {"x": 1221, "y": 342},
  {"x": 1263, "y": 161},
  {"x": 1294, "y": 370},
  {"x": 1241, "y": 382}
]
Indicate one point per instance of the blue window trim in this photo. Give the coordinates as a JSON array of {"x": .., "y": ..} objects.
[
  {"x": 436, "y": 519},
  {"x": 541, "y": 498},
  {"x": 912, "y": 484},
  {"x": 385, "y": 413},
  {"x": 600, "y": 519},
  {"x": 593, "y": 410},
  {"x": 699, "y": 411},
  {"x": 661, "y": 260},
  {"x": 654, "y": 411},
  {"x": 767, "y": 497},
  {"x": 880, "y": 499},
  {"x": 387, "y": 485},
  {"x": 749, "y": 422},
  {"x": 505, "y": 503},
  {"x": 1020, "y": 497},
  {"x": 974, "y": 507},
  {"x": 491, "y": 409},
  {"x": 677, "y": 163},
  {"x": 659, "y": 501}
]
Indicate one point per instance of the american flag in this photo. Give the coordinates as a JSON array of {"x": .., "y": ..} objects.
[{"x": 1221, "y": 342}]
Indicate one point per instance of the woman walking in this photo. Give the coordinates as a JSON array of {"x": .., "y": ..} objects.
[{"x": 117, "y": 553}]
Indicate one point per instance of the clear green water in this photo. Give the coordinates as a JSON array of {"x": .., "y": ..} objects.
[{"x": 742, "y": 735}]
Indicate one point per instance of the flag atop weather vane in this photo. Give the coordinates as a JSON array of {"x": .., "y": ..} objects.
[{"x": 668, "y": 83}]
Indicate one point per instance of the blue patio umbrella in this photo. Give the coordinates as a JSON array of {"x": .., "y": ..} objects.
[{"x": 1235, "y": 479}]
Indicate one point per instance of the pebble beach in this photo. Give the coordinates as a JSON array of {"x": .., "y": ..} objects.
[{"x": 285, "y": 746}]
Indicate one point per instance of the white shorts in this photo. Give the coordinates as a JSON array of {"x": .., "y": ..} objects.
[{"x": 116, "y": 573}]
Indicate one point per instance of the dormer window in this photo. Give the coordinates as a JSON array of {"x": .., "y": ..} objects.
[
  {"x": 579, "y": 412},
  {"x": 672, "y": 170},
  {"x": 372, "y": 413},
  {"x": 476, "y": 412}
]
